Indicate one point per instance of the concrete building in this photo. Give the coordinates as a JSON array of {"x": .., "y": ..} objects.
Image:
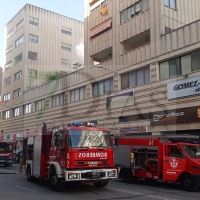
[
  {"x": 1, "y": 74},
  {"x": 149, "y": 54}
]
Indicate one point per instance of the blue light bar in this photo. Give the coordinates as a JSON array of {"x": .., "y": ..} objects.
[
  {"x": 77, "y": 124},
  {"x": 186, "y": 141}
]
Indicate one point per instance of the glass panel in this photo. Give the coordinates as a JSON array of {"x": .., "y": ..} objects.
[
  {"x": 132, "y": 11},
  {"x": 101, "y": 88},
  {"x": 82, "y": 92},
  {"x": 132, "y": 79},
  {"x": 61, "y": 96},
  {"x": 53, "y": 101},
  {"x": 57, "y": 100},
  {"x": 128, "y": 13},
  {"x": 145, "y": 5},
  {"x": 72, "y": 96},
  {"x": 174, "y": 67},
  {"x": 164, "y": 70},
  {"x": 147, "y": 75},
  {"x": 77, "y": 95},
  {"x": 124, "y": 16},
  {"x": 196, "y": 61},
  {"x": 137, "y": 7},
  {"x": 173, "y": 4},
  {"x": 166, "y": 2},
  {"x": 107, "y": 86},
  {"x": 125, "y": 81},
  {"x": 186, "y": 64},
  {"x": 140, "y": 77},
  {"x": 95, "y": 90},
  {"x": 111, "y": 85}
]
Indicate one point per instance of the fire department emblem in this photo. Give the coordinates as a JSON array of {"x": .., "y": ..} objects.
[{"x": 174, "y": 163}]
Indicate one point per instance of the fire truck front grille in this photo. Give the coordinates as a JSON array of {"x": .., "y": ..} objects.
[
  {"x": 4, "y": 158},
  {"x": 92, "y": 163},
  {"x": 91, "y": 175}
]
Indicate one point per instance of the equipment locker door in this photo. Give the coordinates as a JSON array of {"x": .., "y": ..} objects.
[
  {"x": 173, "y": 162},
  {"x": 37, "y": 155}
]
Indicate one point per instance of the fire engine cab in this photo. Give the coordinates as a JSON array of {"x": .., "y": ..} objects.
[
  {"x": 153, "y": 159},
  {"x": 77, "y": 152},
  {"x": 7, "y": 142}
]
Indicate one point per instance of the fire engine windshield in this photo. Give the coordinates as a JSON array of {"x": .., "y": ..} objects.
[
  {"x": 90, "y": 139},
  {"x": 192, "y": 151},
  {"x": 5, "y": 147}
]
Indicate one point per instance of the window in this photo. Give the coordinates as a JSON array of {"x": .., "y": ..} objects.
[
  {"x": 7, "y": 81},
  {"x": 17, "y": 93},
  {"x": 8, "y": 65},
  {"x": 66, "y": 64},
  {"x": 77, "y": 94},
  {"x": 181, "y": 65},
  {"x": 33, "y": 21},
  {"x": 7, "y": 114},
  {"x": 6, "y": 97},
  {"x": 9, "y": 49},
  {"x": 18, "y": 75},
  {"x": 19, "y": 25},
  {"x": 103, "y": 87},
  {"x": 16, "y": 112},
  {"x": 32, "y": 55},
  {"x": 135, "y": 78},
  {"x": 9, "y": 34},
  {"x": 174, "y": 151},
  {"x": 58, "y": 100},
  {"x": 32, "y": 73},
  {"x": 66, "y": 48},
  {"x": 66, "y": 32},
  {"x": 27, "y": 108},
  {"x": 18, "y": 58},
  {"x": 33, "y": 38},
  {"x": 134, "y": 10},
  {"x": 19, "y": 41},
  {"x": 170, "y": 3},
  {"x": 39, "y": 105}
]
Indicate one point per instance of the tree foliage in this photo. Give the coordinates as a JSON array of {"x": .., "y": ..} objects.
[{"x": 54, "y": 75}]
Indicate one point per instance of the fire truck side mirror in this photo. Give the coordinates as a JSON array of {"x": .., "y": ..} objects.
[{"x": 115, "y": 141}]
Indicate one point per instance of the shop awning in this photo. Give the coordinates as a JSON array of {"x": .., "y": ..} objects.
[
  {"x": 93, "y": 2},
  {"x": 100, "y": 27}
]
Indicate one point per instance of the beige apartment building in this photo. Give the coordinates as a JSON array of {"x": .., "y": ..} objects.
[{"x": 148, "y": 78}]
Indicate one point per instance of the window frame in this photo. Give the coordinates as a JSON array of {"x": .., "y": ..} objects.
[
  {"x": 97, "y": 84},
  {"x": 18, "y": 73},
  {"x": 72, "y": 93},
  {"x": 169, "y": 4},
  {"x": 32, "y": 39},
  {"x": 32, "y": 22},
  {"x": 18, "y": 92},
  {"x": 60, "y": 96},
  {"x": 16, "y": 114},
  {"x": 6, "y": 97},
  {"x": 39, "y": 107},
  {"x": 144, "y": 68},
  {"x": 180, "y": 65},
  {"x": 32, "y": 70},
  {"x": 20, "y": 23},
  {"x": 7, "y": 114},
  {"x": 66, "y": 32},
  {"x": 19, "y": 41},
  {"x": 28, "y": 108},
  {"x": 66, "y": 48}
]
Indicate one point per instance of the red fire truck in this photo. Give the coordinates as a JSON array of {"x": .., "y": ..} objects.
[
  {"x": 7, "y": 142},
  {"x": 77, "y": 152},
  {"x": 153, "y": 159}
]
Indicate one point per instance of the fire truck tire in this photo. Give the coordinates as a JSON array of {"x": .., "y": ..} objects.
[
  {"x": 6, "y": 165},
  {"x": 55, "y": 183},
  {"x": 28, "y": 174},
  {"x": 127, "y": 176},
  {"x": 188, "y": 183},
  {"x": 101, "y": 183}
]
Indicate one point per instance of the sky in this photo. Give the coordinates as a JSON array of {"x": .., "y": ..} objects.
[{"x": 9, "y": 8}]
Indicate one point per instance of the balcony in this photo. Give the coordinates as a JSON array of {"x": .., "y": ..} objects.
[{"x": 103, "y": 55}]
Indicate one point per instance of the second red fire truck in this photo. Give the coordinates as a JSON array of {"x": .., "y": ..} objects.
[
  {"x": 77, "y": 152},
  {"x": 165, "y": 159}
]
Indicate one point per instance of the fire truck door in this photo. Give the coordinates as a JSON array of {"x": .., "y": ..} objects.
[{"x": 173, "y": 162}]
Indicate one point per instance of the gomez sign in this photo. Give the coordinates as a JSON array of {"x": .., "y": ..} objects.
[{"x": 183, "y": 88}]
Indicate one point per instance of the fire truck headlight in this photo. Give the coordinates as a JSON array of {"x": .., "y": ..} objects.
[
  {"x": 73, "y": 176},
  {"x": 111, "y": 174}
]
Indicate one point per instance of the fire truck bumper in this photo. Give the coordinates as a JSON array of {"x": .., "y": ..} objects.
[
  {"x": 5, "y": 162},
  {"x": 197, "y": 176},
  {"x": 91, "y": 174}
]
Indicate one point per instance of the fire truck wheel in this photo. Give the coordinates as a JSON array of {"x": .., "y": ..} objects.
[
  {"x": 101, "y": 183},
  {"x": 28, "y": 174},
  {"x": 188, "y": 183},
  {"x": 6, "y": 165},
  {"x": 55, "y": 183},
  {"x": 127, "y": 176}
]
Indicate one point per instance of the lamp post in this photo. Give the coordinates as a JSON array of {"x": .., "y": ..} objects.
[{"x": 100, "y": 66}]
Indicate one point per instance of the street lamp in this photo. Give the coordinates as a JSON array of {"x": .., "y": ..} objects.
[{"x": 100, "y": 66}]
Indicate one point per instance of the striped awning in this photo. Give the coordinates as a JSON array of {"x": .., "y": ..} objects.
[{"x": 106, "y": 24}]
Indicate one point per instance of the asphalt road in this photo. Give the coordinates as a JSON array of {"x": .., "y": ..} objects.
[{"x": 14, "y": 186}]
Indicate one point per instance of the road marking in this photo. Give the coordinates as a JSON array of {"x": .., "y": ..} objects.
[
  {"x": 25, "y": 189},
  {"x": 142, "y": 194}
]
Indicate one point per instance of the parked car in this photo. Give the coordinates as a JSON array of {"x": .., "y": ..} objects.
[{"x": 16, "y": 156}]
